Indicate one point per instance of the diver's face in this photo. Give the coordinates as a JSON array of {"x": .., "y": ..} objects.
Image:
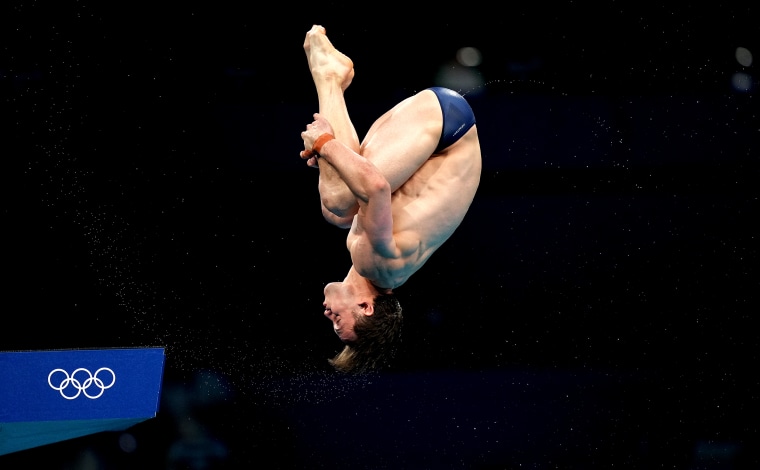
[{"x": 339, "y": 309}]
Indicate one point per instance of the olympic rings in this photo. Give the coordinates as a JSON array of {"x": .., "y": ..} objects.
[{"x": 79, "y": 385}]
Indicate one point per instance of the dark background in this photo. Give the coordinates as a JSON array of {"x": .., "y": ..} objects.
[{"x": 594, "y": 309}]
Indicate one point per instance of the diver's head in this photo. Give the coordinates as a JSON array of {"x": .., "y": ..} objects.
[{"x": 371, "y": 331}]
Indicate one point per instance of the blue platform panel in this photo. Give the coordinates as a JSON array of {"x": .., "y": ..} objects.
[{"x": 55, "y": 395}]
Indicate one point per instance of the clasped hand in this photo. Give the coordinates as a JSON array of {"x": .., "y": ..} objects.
[{"x": 310, "y": 135}]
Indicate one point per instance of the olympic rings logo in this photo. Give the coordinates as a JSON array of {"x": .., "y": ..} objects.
[{"x": 81, "y": 380}]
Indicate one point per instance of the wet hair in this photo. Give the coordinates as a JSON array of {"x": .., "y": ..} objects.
[{"x": 377, "y": 337}]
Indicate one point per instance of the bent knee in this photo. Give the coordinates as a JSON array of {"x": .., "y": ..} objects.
[
  {"x": 342, "y": 221},
  {"x": 340, "y": 203}
]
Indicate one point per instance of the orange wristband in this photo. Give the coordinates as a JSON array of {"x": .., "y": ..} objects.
[{"x": 322, "y": 140}]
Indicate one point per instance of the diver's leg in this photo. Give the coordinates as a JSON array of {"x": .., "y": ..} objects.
[{"x": 332, "y": 73}]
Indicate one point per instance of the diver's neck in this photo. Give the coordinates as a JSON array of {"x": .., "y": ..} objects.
[{"x": 362, "y": 283}]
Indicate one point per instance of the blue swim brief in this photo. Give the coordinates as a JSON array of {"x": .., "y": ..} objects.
[{"x": 458, "y": 117}]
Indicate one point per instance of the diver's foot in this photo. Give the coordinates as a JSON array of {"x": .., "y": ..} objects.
[{"x": 325, "y": 61}]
